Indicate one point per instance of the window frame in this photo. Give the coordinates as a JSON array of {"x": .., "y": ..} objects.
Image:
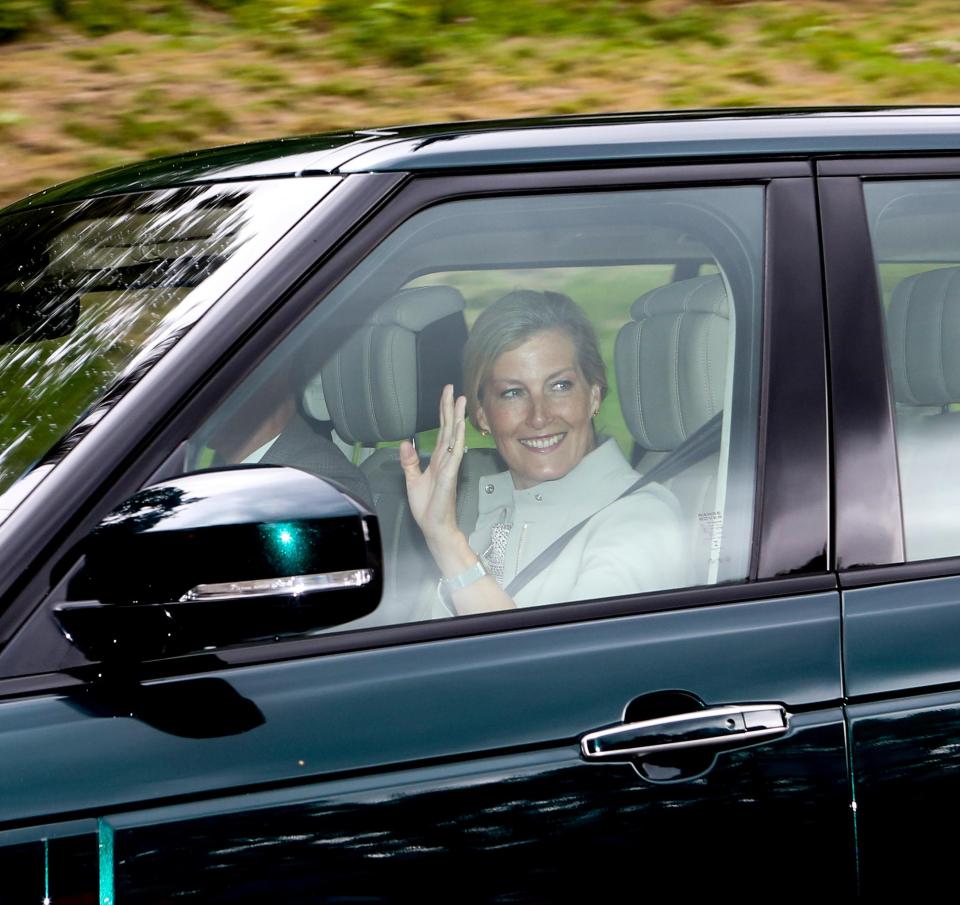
[
  {"x": 868, "y": 514},
  {"x": 791, "y": 552}
]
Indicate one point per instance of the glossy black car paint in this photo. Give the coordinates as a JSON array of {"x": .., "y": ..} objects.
[
  {"x": 907, "y": 779},
  {"x": 536, "y": 697},
  {"x": 543, "y": 143},
  {"x": 538, "y": 827}
]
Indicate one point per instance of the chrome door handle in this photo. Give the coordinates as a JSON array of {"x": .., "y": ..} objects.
[{"x": 732, "y": 726}]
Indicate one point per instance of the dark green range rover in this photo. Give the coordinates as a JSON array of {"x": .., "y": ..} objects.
[{"x": 705, "y": 636}]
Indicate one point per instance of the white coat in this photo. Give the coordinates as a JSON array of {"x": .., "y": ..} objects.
[{"x": 629, "y": 546}]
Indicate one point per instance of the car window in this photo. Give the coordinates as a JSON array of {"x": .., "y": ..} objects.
[
  {"x": 915, "y": 231},
  {"x": 606, "y": 346},
  {"x": 93, "y": 290}
]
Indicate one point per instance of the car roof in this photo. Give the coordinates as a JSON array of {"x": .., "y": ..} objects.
[{"x": 560, "y": 140}]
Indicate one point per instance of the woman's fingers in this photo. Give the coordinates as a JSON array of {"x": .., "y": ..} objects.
[
  {"x": 453, "y": 433},
  {"x": 461, "y": 429},
  {"x": 459, "y": 424},
  {"x": 409, "y": 461},
  {"x": 453, "y": 452},
  {"x": 449, "y": 448},
  {"x": 446, "y": 418}
]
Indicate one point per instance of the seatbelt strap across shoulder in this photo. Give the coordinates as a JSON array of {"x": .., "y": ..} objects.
[{"x": 695, "y": 448}]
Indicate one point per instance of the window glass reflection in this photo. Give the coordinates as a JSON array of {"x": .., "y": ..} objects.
[{"x": 95, "y": 291}]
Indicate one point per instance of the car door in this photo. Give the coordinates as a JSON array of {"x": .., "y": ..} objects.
[
  {"x": 438, "y": 758},
  {"x": 892, "y": 247}
]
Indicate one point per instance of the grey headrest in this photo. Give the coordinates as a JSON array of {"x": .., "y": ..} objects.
[
  {"x": 923, "y": 330},
  {"x": 700, "y": 295},
  {"x": 384, "y": 383},
  {"x": 671, "y": 361}
]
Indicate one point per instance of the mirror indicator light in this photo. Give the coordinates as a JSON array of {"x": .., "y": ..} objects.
[{"x": 292, "y": 586}]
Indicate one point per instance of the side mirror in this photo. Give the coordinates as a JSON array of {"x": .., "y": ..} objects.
[{"x": 223, "y": 557}]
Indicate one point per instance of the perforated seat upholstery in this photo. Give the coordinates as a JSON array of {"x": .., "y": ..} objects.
[
  {"x": 671, "y": 362},
  {"x": 923, "y": 338},
  {"x": 383, "y": 385}
]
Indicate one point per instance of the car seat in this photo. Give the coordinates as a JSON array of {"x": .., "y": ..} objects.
[
  {"x": 382, "y": 386},
  {"x": 923, "y": 341},
  {"x": 671, "y": 362}
]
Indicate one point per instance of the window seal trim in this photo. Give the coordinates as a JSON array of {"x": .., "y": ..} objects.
[
  {"x": 889, "y": 167},
  {"x": 899, "y": 572}
]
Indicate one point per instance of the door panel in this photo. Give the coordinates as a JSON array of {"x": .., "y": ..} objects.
[
  {"x": 902, "y": 638},
  {"x": 538, "y": 827},
  {"x": 418, "y": 741},
  {"x": 369, "y": 710},
  {"x": 906, "y": 774}
]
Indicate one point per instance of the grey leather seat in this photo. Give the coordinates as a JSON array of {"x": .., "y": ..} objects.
[
  {"x": 671, "y": 363},
  {"x": 923, "y": 339},
  {"x": 383, "y": 385}
]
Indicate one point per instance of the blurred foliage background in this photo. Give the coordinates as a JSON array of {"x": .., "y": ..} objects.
[{"x": 87, "y": 84}]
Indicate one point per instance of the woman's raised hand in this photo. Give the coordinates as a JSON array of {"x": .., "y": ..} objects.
[{"x": 432, "y": 492}]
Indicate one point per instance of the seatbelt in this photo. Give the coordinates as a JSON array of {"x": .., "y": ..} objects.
[{"x": 700, "y": 444}]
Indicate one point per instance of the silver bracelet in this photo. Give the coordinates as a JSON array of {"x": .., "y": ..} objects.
[
  {"x": 446, "y": 586},
  {"x": 465, "y": 578}
]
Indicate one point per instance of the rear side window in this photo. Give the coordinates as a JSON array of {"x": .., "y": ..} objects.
[
  {"x": 607, "y": 349},
  {"x": 915, "y": 231}
]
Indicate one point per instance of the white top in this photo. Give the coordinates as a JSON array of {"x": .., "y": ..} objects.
[
  {"x": 630, "y": 545},
  {"x": 255, "y": 457}
]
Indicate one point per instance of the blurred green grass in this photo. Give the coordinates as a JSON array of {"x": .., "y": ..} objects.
[{"x": 92, "y": 83}]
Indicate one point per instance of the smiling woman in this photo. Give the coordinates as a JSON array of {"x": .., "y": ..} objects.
[{"x": 535, "y": 381}]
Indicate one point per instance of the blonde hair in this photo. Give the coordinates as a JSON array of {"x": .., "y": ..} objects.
[{"x": 511, "y": 321}]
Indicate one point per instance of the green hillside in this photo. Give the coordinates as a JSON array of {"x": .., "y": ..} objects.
[{"x": 86, "y": 84}]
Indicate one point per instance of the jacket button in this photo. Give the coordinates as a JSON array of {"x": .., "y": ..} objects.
[
  {"x": 539, "y": 497},
  {"x": 488, "y": 488}
]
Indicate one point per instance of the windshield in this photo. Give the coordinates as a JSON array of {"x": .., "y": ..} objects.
[{"x": 92, "y": 292}]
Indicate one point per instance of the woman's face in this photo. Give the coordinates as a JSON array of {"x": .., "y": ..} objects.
[{"x": 538, "y": 406}]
